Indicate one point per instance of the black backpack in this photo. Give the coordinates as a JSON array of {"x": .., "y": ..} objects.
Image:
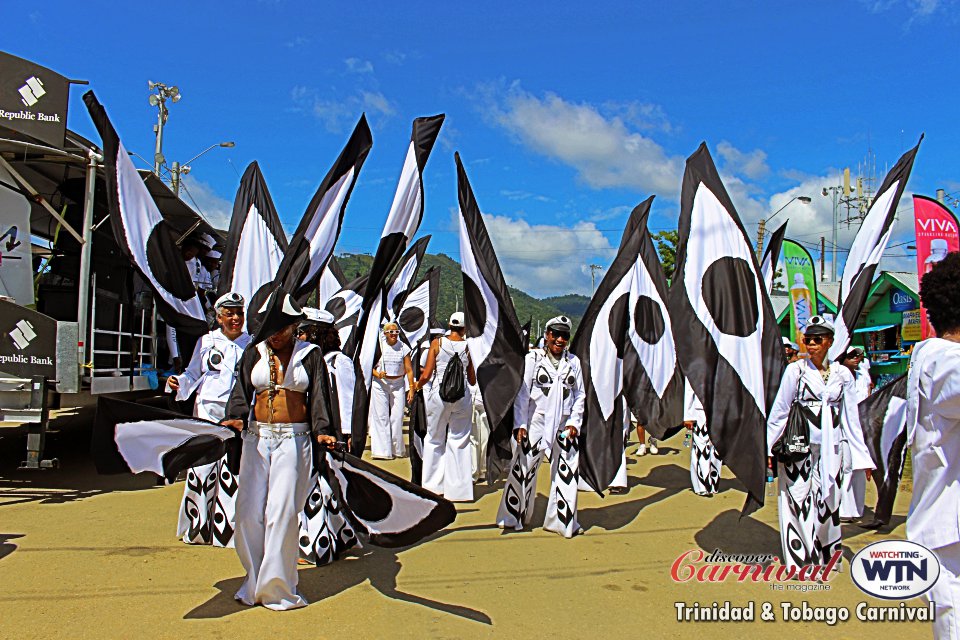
[{"x": 453, "y": 386}]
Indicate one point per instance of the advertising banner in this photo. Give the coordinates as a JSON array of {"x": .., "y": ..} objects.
[
  {"x": 937, "y": 235},
  {"x": 901, "y": 300},
  {"x": 33, "y": 99},
  {"x": 910, "y": 328},
  {"x": 802, "y": 284}
]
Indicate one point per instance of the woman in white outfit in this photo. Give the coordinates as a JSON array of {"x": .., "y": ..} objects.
[
  {"x": 387, "y": 395},
  {"x": 809, "y": 500},
  {"x": 281, "y": 402},
  {"x": 854, "y": 487},
  {"x": 547, "y": 416},
  {"x": 933, "y": 434},
  {"x": 210, "y": 492},
  {"x": 447, "y": 466}
]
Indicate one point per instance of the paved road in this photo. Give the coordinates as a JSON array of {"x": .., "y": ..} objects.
[{"x": 85, "y": 556}]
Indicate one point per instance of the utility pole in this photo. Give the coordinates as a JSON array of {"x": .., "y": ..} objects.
[
  {"x": 761, "y": 229},
  {"x": 159, "y": 100},
  {"x": 593, "y": 276},
  {"x": 836, "y": 197},
  {"x": 823, "y": 269}
]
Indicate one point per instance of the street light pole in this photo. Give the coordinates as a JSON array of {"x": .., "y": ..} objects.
[
  {"x": 833, "y": 260},
  {"x": 159, "y": 100},
  {"x": 177, "y": 170},
  {"x": 762, "y": 225}
]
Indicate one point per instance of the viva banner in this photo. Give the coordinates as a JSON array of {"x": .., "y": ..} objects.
[
  {"x": 802, "y": 282},
  {"x": 937, "y": 235}
]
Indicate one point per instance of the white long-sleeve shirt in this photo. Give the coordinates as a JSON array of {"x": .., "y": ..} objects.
[
  {"x": 841, "y": 394},
  {"x": 212, "y": 372},
  {"x": 540, "y": 379},
  {"x": 933, "y": 428},
  {"x": 692, "y": 407}
]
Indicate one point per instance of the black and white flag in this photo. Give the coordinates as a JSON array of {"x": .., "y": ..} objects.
[
  {"x": 312, "y": 244},
  {"x": 404, "y": 276},
  {"x": 729, "y": 346},
  {"x": 401, "y": 226},
  {"x": 132, "y": 438},
  {"x": 385, "y": 509},
  {"x": 149, "y": 242},
  {"x": 256, "y": 241},
  {"x": 625, "y": 346},
  {"x": 867, "y": 249},
  {"x": 345, "y": 305},
  {"x": 492, "y": 329},
  {"x": 771, "y": 256},
  {"x": 418, "y": 308},
  {"x": 332, "y": 280},
  {"x": 883, "y": 416}
]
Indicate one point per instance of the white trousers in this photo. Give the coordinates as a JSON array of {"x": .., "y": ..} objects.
[
  {"x": 854, "y": 489},
  {"x": 275, "y": 467},
  {"x": 946, "y": 593},
  {"x": 386, "y": 418},
  {"x": 479, "y": 436},
  {"x": 447, "y": 463}
]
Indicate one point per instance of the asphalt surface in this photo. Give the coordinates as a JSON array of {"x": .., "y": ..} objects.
[{"x": 88, "y": 556}]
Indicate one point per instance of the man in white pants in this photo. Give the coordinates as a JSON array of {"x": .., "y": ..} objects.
[
  {"x": 547, "y": 416},
  {"x": 447, "y": 468},
  {"x": 479, "y": 435}
]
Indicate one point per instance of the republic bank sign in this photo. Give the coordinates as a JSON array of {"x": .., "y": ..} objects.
[{"x": 33, "y": 100}]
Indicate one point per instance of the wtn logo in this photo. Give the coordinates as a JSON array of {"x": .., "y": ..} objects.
[
  {"x": 903, "y": 570},
  {"x": 895, "y": 569}
]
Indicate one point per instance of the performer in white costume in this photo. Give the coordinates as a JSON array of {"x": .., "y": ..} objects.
[
  {"x": 933, "y": 433},
  {"x": 387, "y": 395},
  {"x": 854, "y": 489},
  {"x": 479, "y": 436},
  {"x": 548, "y": 413},
  {"x": 705, "y": 464},
  {"x": 447, "y": 467},
  {"x": 280, "y": 400},
  {"x": 209, "y": 496},
  {"x": 325, "y": 533},
  {"x": 809, "y": 499}
]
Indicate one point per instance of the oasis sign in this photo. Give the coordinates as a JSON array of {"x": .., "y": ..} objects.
[{"x": 901, "y": 300}]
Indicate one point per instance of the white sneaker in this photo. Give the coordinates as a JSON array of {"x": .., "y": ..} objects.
[
  {"x": 642, "y": 450},
  {"x": 653, "y": 447}
]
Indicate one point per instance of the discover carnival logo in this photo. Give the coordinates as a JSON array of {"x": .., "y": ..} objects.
[{"x": 895, "y": 569}]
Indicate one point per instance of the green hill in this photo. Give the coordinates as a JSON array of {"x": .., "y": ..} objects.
[{"x": 451, "y": 290}]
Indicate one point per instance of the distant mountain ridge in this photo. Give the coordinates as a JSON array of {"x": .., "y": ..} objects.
[{"x": 573, "y": 305}]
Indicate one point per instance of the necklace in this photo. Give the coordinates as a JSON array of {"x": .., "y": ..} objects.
[
  {"x": 272, "y": 390},
  {"x": 825, "y": 373}
]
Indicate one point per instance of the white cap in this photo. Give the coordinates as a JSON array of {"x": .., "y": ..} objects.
[
  {"x": 819, "y": 325},
  {"x": 788, "y": 343},
  {"x": 318, "y": 316},
  {"x": 560, "y": 322},
  {"x": 229, "y": 299},
  {"x": 457, "y": 320},
  {"x": 213, "y": 253}
]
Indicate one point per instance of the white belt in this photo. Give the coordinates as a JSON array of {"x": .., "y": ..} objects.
[{"x": 277, "y": 430}]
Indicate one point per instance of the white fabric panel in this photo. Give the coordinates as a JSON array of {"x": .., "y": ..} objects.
[{"x": 480, "y": 346}]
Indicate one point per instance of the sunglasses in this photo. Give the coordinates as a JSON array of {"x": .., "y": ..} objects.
[
  {"x": 391, "y": 333},
  {"x": 813, "y": 339},
  {"x": 231, "y": 314},
  {"x": 560, "y": 335}
]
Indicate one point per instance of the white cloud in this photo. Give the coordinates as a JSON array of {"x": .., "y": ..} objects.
[
  {"x": 356, "y": 65},
  {"x": 297, "y": 42},
  {"x": 523, "y": 195},
  {"x": 752, "y": 165},
  {"x": 201, "y": 196},
  {"x": 546, "y": 260},
  {"x": 337, "y": 114},
  {"x": 605, "y": 149}
]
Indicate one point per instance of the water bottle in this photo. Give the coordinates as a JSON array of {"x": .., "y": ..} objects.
[{"x": 687, "y": 438}]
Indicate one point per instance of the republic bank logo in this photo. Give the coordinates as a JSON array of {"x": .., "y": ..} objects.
[
  {"x": 32, "y": 91},
  {"x": 22, "y": 334},
  {"x": 895, "y": 569}
]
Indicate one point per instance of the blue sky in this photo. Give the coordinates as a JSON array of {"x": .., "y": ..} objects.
[{"x": 566, "y": 115}]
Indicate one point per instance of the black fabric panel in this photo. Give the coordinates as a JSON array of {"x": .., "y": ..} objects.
[{"x": 194, "y": 452}]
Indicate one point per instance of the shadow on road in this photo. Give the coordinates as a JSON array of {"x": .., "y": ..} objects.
[
  {"x": 68, "y": 440},
  {"x": 730, "y": 534},
  {"x": 6, "y": 548},
  {"x": 377, "y": 565}
]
